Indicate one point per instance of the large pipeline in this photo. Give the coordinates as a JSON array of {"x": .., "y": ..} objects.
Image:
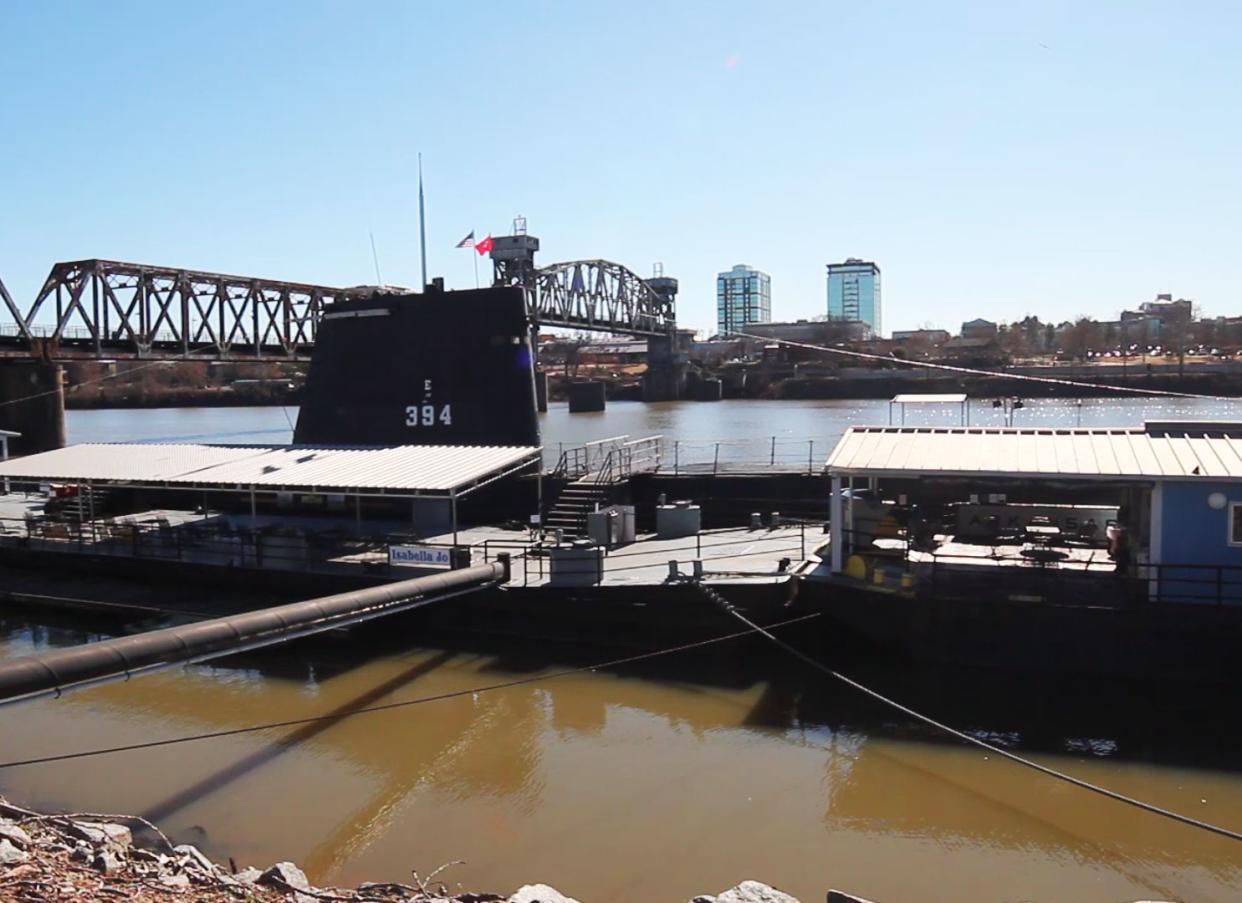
[{"x": 62, "y": 669}]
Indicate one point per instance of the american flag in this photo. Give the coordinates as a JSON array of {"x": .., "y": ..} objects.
[{"x": 467, "y": 242}]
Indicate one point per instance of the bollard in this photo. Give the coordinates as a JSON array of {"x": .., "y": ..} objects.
[
  {"x": 673, "y": 573},
  {"x": 698, "y": 569},
  {"x": 756, "y": 520}
]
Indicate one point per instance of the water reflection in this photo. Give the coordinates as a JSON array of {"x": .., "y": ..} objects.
[{"x": 655, "y": 781}]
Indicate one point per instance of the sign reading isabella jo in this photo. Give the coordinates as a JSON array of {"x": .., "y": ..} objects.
[{"x": 418, "y": 555}]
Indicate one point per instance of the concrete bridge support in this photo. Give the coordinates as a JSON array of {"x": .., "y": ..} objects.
[
  {"x": 32, "y": 402},
  {"x": 541, "y": 391},
  {"x": 586, "y": 397},
  {"x": 667, "y": 363}
]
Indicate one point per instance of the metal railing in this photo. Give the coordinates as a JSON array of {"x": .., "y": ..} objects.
[
  {"x": 214, "y": 541},
  {"x": 781, "y": 538},
  {"x": 1091, "y": 581},
  {"x": 712, "y": 456},
  {"x": 694, "y": 456},
  {"x": 579, "y": 460}
]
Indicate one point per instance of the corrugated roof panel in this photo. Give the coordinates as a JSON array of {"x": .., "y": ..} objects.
[
  {"x": 1083, "y": 452},
  {"x": 1167, "y": 461},
  {"x": 1230, "y": 454},
  {"x": 1208, "y": 456},
  {"x": 1145, "y": 460},
  {"x": 411, "y": 468},
  {"x": 154, "y": 462},
  {"x": 1115, "y": 454}
]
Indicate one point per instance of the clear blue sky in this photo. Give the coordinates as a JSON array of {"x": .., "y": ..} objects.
[{"x": 994, "y": 158}]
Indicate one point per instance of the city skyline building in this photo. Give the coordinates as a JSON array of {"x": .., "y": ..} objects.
[
  {"x": 854, "y": 292},
  {"x": 743, "y": 295}
]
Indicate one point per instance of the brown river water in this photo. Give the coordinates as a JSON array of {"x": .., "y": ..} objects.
[{"x": 657, "y": 781}]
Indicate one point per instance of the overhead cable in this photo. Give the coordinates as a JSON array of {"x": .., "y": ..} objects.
[{"x": 974, "y": 371}]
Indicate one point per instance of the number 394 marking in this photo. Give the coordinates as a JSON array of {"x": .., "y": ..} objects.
[{"x": 425, "y": 415}]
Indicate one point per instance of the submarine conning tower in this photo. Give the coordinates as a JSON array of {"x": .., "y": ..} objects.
[{"x": 437, "y": 368}]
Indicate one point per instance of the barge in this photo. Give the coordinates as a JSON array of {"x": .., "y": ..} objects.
[{"x": 1072, "y": 550}]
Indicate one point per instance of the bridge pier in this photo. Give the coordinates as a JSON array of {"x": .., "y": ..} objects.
[
  {"x": 541, "y": 391},
  {"x": 667, "y": 363},
  {"x": 32, "y": 402},
  {"x": 586, "y": 397}
]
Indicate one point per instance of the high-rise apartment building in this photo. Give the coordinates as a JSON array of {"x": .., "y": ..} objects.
[
  {"x": 743, "y": 295},
  {"x": 854, "y": 292}
]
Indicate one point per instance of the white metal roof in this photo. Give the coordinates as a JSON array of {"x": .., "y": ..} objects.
[
  {"x": 1194, "y": 451},
  {"x": 930, "y": 398},
  {"x": 396, "y": 469}
]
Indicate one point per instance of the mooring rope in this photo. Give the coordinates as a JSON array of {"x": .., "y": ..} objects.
[{"x": 728, "y": 606}]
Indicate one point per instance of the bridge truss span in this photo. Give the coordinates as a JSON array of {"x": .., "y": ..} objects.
[
  {"x": 601, "y": 295},
  {"x": 110, "y": 307}
]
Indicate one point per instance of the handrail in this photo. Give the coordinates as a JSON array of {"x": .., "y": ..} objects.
[
  {"x": 1159, "y": 583},
  {"x": 703, "y": 456},
  {"x": 219, "y": 542}
]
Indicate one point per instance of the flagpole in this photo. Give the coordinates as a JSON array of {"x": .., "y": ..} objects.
[
  {"x": 476, "y": 264},
  {"x": 379, "y": 280},
  {"x": 422, "y": 223}
]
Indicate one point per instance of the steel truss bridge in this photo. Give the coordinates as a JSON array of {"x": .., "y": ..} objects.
[
  {"x": 107, "y": 308},
  {"x": 599, "y": 294}
]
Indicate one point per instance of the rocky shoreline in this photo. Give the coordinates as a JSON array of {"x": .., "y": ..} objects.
[{"x": 87, "y": 856}]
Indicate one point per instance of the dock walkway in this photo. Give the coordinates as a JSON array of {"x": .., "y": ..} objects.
[{"x": 732, "y": 555}]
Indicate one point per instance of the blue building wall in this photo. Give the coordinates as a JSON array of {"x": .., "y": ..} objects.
[{"x": 1194, "y": 533}]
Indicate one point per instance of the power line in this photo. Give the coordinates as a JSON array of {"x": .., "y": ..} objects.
[
  {"x": 973, "y": 371},
  {"x": 453, "y": 694},
  {"x": 962, "y": 735}
]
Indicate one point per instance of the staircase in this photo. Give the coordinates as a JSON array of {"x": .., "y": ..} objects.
[
  {"x": 576, "y": 501},
  {"x": 596, "y": 470},
  {"x": 78, "y": 508}
]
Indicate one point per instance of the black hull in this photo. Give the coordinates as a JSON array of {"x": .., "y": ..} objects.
[{"x": 1188, "y": 642}]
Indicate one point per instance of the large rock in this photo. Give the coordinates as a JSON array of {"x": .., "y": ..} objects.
[
  {"x": 248, "y": 875},
  {"x": 195, "y": 857},
  {"x": 286, "y": 875},
  {"x": 11, "y": 855},
  {"x": 88, "y": 831},
  {"x": 10, "y": 831},
  {"x": 540, "y": 893},
  {"x": 118, "y": 835},
  {"x": 101, "y": 834},
  {"x": 754, "y": 892},
  {"x": 107, "y": 860}
]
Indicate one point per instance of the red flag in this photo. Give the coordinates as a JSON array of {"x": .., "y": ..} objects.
[{"x": 483, "y": 246}]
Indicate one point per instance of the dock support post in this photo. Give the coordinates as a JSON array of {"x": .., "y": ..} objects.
[
  {"x": 453, "y": 504},
  {"x": 835, "y": 526}
]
